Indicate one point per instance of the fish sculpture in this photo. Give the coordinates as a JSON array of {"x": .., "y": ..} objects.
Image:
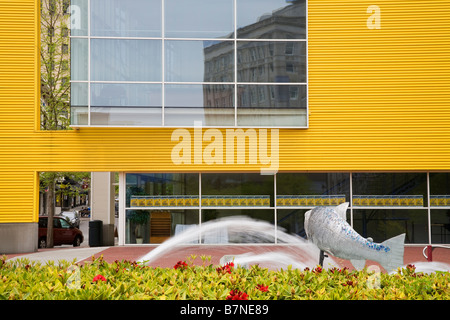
[{"x": 328, "y": 229}]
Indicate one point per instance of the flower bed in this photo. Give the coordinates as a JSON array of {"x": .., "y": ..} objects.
[{"x": 98, "y": 280}]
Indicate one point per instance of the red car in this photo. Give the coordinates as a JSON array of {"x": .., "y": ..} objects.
[{"x": 63, "y": 232}]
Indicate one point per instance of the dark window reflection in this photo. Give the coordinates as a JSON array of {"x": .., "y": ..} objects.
[
  {"x": 440, "y": 226},
  {"x": 199, "y": 18},
  {"x": 393, "y": 184},
  {"x": 381, "y": 225},
  {"x": 271, "y": 61},
  {"x": 271, "y": 19},
  {"x": 314, "y": 184}
]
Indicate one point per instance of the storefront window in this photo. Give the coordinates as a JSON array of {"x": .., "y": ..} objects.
[{"x": 179, "y": 201}]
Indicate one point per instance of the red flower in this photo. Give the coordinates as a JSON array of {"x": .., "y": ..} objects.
[
  {"x": 180, "y": 264},
  {"x": 226, "y": 268},
  {"x": 99, "y": 277},
  {"x": 262, "y": 288},
  {"x": 237, "y": 295}
]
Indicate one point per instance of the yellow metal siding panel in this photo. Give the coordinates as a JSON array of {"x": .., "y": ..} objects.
[{"x": 19, "y": 88}]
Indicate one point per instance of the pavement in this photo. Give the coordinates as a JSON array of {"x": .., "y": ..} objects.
[{"x": 201, "y": 254}]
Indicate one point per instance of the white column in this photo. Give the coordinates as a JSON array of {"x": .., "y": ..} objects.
[{"x": 102, "y": 203}]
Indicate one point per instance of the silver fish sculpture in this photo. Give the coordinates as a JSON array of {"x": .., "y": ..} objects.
[{"x": 328, "y": 229}]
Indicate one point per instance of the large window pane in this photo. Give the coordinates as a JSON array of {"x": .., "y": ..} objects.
[
  {"x": 79, "y": 59},
  {"x": 271, "y": 19},
  {"x": 79, "y": 103},
  {"x": 148, "y": 189},
  {"x": 271, "y": 61},
  {"x": 128, "y": 104},
  {"x": 312, "y": 189},
  {"x": 389, "y": 189},
  {"x": 198, "y": 18},
  {"x": 440, "y": 189},
  {"x": 125, "y": 60},
  {"x": 78, "y": 10},
  {"x": 440, "y": 226},
  {"x": 126, "y": 94},
  {"x": 189, "y": 105},
  {"x": 381, "y": 225},
  {"x": 126, "y": 116},
  {"x": 272, "y": 105},
  {"x": 237, "y": 235},
  {"x": 131, "y": 18},
  {"x": 198, "y": 61},
  {"x": 156, "y": 226},
  {"x": 249, "y": 186}
]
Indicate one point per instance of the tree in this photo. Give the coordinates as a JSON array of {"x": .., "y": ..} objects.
[
  {"x": 55, "y": 86},
  {"x": 55, "y": 65}
]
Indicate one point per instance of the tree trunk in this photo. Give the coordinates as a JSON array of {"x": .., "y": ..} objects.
[{"x": 50, "y": 212}]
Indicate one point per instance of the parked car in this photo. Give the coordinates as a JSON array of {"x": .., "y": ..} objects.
[
  {"x": 64, "y": 232},
  {"x": 85, "y": 212},
  {"x": 72, "y": 216}
]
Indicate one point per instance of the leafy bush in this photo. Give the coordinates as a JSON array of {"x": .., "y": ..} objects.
[{"x": 99, "y": 280}]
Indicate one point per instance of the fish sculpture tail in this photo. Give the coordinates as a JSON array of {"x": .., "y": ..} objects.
[
  {"x": 397, "y": 246},
  {"x": 390, "y": 260}
]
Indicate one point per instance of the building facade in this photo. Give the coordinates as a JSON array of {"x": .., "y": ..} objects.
[{"x": 210, "y": 109}]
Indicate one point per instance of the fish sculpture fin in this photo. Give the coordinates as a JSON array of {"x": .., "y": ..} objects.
[
  {"x": 341, "y": 210},
  {"x": 395, "y": 257},
  {"x": 358, "y": 264}
]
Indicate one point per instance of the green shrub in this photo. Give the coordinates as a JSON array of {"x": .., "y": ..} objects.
[{"x": 98, "y": 280}]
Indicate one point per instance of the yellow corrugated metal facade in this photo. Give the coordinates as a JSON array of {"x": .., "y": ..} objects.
[{"x": 379, "y": 100}]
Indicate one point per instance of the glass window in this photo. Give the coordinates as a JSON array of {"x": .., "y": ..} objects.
[
  {"x": 440, "y": 189},
  {"x": 126, "y": 116},
  {"x": 212, "y": 105},
  {"x": 440, "y": 226},
  {"x": 199, "y": 18},
  {"x": 79, "y": 102},
  {"x": 78, "y": 10},
  {"x": 187, "y": 60},
  {"x": 272, "y": 105},
  {"x": 248, "y": 187},
  {"x": 267, "y": 61},
  {"x": 389, "y": 189},
  {"x": 381, "y": 225},
  {"x": 312, "y": 189},
  {"x": 156, "y": 226},
  {"x": 292, "y": 221},
  {"x": 126, "y": 94},
  {"x": 271, "y": 19},
  {"x": 79, "y": 59},
  {"x": 133, "y": 104},
  {"x": 125, "y": 60},
  {"x": 234, "y": 234},
  {"x": 131, "y": 18},
  {"x": 148, "y": 189}
]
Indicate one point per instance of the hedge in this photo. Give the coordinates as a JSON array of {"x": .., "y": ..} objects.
[{"x": 129, "y": 280}]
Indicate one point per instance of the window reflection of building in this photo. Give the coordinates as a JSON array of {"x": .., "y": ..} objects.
[{"x": 260, "y": 66}]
